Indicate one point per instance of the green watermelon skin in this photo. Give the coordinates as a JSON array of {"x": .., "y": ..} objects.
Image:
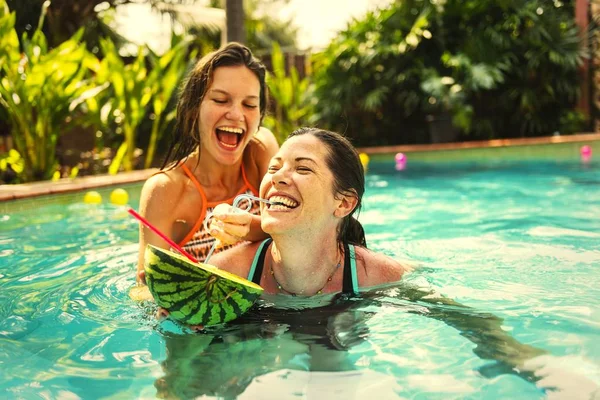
[{"x": 196, "y": 294}]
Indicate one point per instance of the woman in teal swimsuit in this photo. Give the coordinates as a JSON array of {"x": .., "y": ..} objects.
[
  {"x": 315, "y": 185},
  {"x": 316, "y": 182}
]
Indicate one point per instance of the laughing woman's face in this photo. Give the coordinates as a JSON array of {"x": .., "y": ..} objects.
[
  {"x": 300, "y": 182},
  {"x": 229, "y": 114}
]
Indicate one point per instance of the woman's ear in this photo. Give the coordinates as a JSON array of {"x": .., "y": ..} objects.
[{"x": 346, "y": 204}]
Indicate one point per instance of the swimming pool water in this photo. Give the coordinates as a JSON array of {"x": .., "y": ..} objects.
[{"x": 516, "y": 244}]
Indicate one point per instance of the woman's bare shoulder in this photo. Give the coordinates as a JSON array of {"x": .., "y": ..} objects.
[
  {"x": 265, "y": 139},
  {"x": 263, "y": 146},
  {"x": 376, "y": 268},
  {"x": 164, "y": 187},
  {"x": 237, "y": 259},
  {"x": 165, "y": 180},
  {"x": 258, "y": 154}
]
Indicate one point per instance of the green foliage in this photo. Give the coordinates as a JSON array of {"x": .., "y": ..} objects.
[
  {"x": 143, "y": 89},
  {"x": 11, "y": 167},
  {"x": 572, "y": 122},
  {"x": 292, "y": 98},
  {"x": 167, "y": 73},
  {"x": 63, "y": 19},
  {"x": 499, "y": 68},
  {"x": 44, "y": 92},
  {"x": 37, "y": 87},
  {"x": 130, "y": 92}
]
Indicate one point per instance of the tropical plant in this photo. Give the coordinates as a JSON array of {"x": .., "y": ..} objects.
[
  {"x": 11, "y": 167},
  {"x": 37, "y": 88},
  {"x": 291, "y": 95},
  {"x": 131, "y": 90},
  {"x": 499, "y": 68},
  {"x": 368, "y": 80},
  {"x": 542, "y": 49},
  {"x": 167, "y": 74},
  {"x": 144, "y": 89},
  {"x": 64, "y": 18},
  {"x": 462, "y": 78}
]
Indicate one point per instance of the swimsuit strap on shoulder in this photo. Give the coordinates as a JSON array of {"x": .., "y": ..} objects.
[
  {"x": 200, "y": 219},
  {"x": 256, "y": 268},
  {"x": 350, "y": 284},
  {"x": 247, "y": 182}
]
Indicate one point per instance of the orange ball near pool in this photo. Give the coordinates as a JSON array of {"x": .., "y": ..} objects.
[{"x": 119, "y": 197}]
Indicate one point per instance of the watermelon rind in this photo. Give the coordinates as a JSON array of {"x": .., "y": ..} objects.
[{"x": 196, "y": 294}]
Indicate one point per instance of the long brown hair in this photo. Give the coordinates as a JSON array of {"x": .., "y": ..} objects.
[{"x": 186, "y": 136}]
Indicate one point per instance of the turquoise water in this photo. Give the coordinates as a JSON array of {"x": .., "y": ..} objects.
[{"x": 516, "y": 245}]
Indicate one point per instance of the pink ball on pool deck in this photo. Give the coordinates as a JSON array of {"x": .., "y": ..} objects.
[
  {"x": 400, "y": 157},
  {"x": 586, "y": 150},
  {"x": 400, "y": 161},
  {"x": 586, "y": 153}
]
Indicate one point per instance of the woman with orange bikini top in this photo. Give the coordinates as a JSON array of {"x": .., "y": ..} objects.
[{"x": 218, "y": 151}]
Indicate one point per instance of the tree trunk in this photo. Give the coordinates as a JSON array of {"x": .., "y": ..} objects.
[{"x": 236, "y": 30}]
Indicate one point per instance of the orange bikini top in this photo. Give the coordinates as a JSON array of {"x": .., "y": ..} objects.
[{"x": 198, "y": 242}]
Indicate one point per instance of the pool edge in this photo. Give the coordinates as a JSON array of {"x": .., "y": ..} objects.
[
  {"x": 35, "y": 189},
  {"x": 44, "y": 188},
  {"x": 482, "y": 144}
]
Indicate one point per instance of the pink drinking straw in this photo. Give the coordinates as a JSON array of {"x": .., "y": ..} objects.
[{"x": 162, "y": 235}]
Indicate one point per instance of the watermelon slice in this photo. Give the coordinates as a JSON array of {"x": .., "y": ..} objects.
[{"x": 196, "y": 294}]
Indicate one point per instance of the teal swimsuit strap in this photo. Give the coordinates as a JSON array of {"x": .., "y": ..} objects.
[
  {"x": 259, "y": 260},
  {"x": 350, "y": 284}
]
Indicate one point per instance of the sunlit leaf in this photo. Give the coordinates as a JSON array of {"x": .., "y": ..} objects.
[{"x": 118, "y": 159}]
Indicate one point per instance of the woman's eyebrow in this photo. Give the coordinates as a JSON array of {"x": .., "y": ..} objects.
[
  {"x": 219, "y": 91},
  {"x": 253, "y": 97},
  {"x": 297, "y": 159},
  {"x": 305, "y": 159}
]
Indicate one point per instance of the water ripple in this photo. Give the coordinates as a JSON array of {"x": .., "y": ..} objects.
[{"x": 516, "y": 245}]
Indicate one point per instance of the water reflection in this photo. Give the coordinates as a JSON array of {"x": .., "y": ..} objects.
[
  {"x": 273, "y": 337},
  {"x": 224, "y": 361}
]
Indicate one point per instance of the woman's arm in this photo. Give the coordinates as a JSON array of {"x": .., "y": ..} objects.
[
  {"x": 157, "y": 204},
  {"x": 565, "y": 377},
  {"x": 483, "y": 329}
]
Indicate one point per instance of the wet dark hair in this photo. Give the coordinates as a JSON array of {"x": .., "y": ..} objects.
[
  {"x": 348, "y": 176},
  {"x": 186, "y": 135}
]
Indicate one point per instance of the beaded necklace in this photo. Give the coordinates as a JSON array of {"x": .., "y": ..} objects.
[{"x": 320, "y": 291}]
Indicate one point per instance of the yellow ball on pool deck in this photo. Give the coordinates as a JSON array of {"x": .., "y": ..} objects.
[
  {"x": 120, "y": 197},
  {"x": 364, "y": 159},
  {"x": 92, "y": 198}
]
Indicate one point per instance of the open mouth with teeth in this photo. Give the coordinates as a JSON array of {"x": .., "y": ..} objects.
[
  {"x": 229, "y": 137},
  {"x": 281, "y": 203}
]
